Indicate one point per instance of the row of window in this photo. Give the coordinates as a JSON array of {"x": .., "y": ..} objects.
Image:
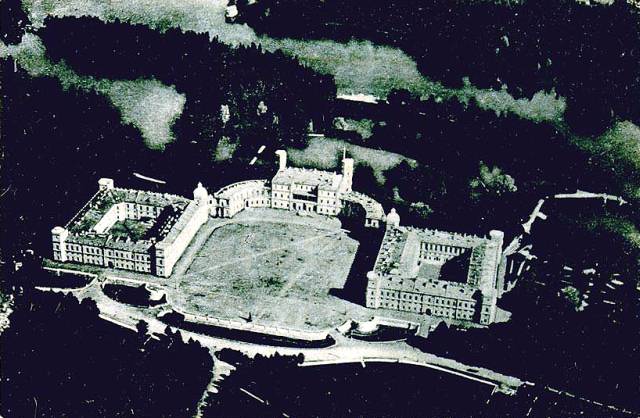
[
  {"x": 326, "y": 193},
  {"x": 305, "y": 198},
  {"x": 328, "y": 202},
  {"x": 92, "y": 250},
  {"x": 302, "y": 187},
  {"x": 327, "y": 211},
  {"x": 130, "y": 265},
  {"x": 124, "y": 255},
  {"x": 71, "y": 248},
  {"x": 258, "y": 202},
  {"x": 91, "y": 259},
  {"x": 449, "y": 249},
  {"x": 74, "y": 257},
  {"x": 142, "y": 208},
  {"x": 428, "y": 310},
  {"x": 394, "y": 294},
  {"x": 461, "y": 306}
]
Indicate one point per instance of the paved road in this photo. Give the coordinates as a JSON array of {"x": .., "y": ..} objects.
[{"x": 346, "y": 350}]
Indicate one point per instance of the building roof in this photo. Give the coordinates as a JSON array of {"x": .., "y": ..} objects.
[
  {"x": 373, "y": 208},
  {"x": 399, "y": 266},
  {"x": 81, "y": 226},
  {"x": 147, "y": 198},
  {"x": 455, "y": 239},
  {"x": 431, "y": 287},
  {"x": 388, "y": 259},
  {"x": 104, "y": 240},
  {"x": 169, "y": 236},
  {"x": 228, "y": 191},
  {"x": 327, "y": 180}
]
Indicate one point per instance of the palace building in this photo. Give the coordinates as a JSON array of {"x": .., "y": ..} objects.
[
  {"x": 131, "y": 229},
  {"x": 297, "y": 189},
  {"x": 437, "y": 273},
  {"x": 423, "y": 271}
]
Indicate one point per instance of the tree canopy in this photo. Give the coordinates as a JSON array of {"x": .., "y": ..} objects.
[{"x": 60, "y": 359}]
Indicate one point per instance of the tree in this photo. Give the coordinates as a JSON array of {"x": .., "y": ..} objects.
[
  {"x": 74, "y": 363},
  {"x": 491, "y": 182},
  {"x": 259, "y": 92},
  {"x": 142, "y": 327},
  {"x": 13, "y": 21}
]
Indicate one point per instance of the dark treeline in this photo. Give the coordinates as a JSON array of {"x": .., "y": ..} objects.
[
  {"x": 57, "y": 143},
  {"x": 451, "y": 141},
  {"x": 137, "y": 296},
  {"x": 587, "y": 54},
  {"x": 60, "y": 359},
  {"x": 381, "y": 390},
  {"x": 250, "y": 375},
  {"x": 539, "y": 156},
  {"x": 592, "y": 353},
  {"x": 209, "y": 73},
  {"x": 13, "y": 21},
  {"x": 586, "y": 353}
]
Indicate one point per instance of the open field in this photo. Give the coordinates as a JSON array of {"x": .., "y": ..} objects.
[
  {"x": 148, "y": 105},
  {"x": 277, "y": 270},
  {"x": 324, "y": 153},
  {"x": 357, "y": 66}
]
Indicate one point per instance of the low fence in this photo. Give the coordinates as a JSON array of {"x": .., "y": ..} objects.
[
  {"x": 59, "y": 272},
  {"x": 69, "y": 271},
  {"x": 129, "y": 282},
  {"x": 397, "y": 323},
  {"x": 261, "y": 329},
  {"x": 505, "y": 384}
]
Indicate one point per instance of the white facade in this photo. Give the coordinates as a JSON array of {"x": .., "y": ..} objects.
[
  {"x": 407, "y": 275},
  {"x": 297, "y": 189},
  {"x": 86, "y": 238}
]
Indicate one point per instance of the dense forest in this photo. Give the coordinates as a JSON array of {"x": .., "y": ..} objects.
[
  {"x": 52, "y": 162},
  {"x": 592, "y": 351},
  {"x": 57, "y": 143},
  {"x": 477, "y": 170},
  {"x": 60, "y": 359},
  {"x": 588, "y": 54},
  {"x": 275, "y": 386},
  {"x": 546, "y": 341},
  {"x": 261, "y": 91},
  {"x": 13, "y": 21},
  {"x": 342, "y": 390},
  {"x": 533, "y": 159}
]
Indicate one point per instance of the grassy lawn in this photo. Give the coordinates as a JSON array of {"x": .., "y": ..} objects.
[
  {"x": 148, "y": 105},
  {"x": 275, "y": 271},
  {"x": 357, "y": 66},
  {"x": 325, "y": 154}
]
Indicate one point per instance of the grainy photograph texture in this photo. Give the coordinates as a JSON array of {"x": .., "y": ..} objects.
[{"x": 320, "y": 208}]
